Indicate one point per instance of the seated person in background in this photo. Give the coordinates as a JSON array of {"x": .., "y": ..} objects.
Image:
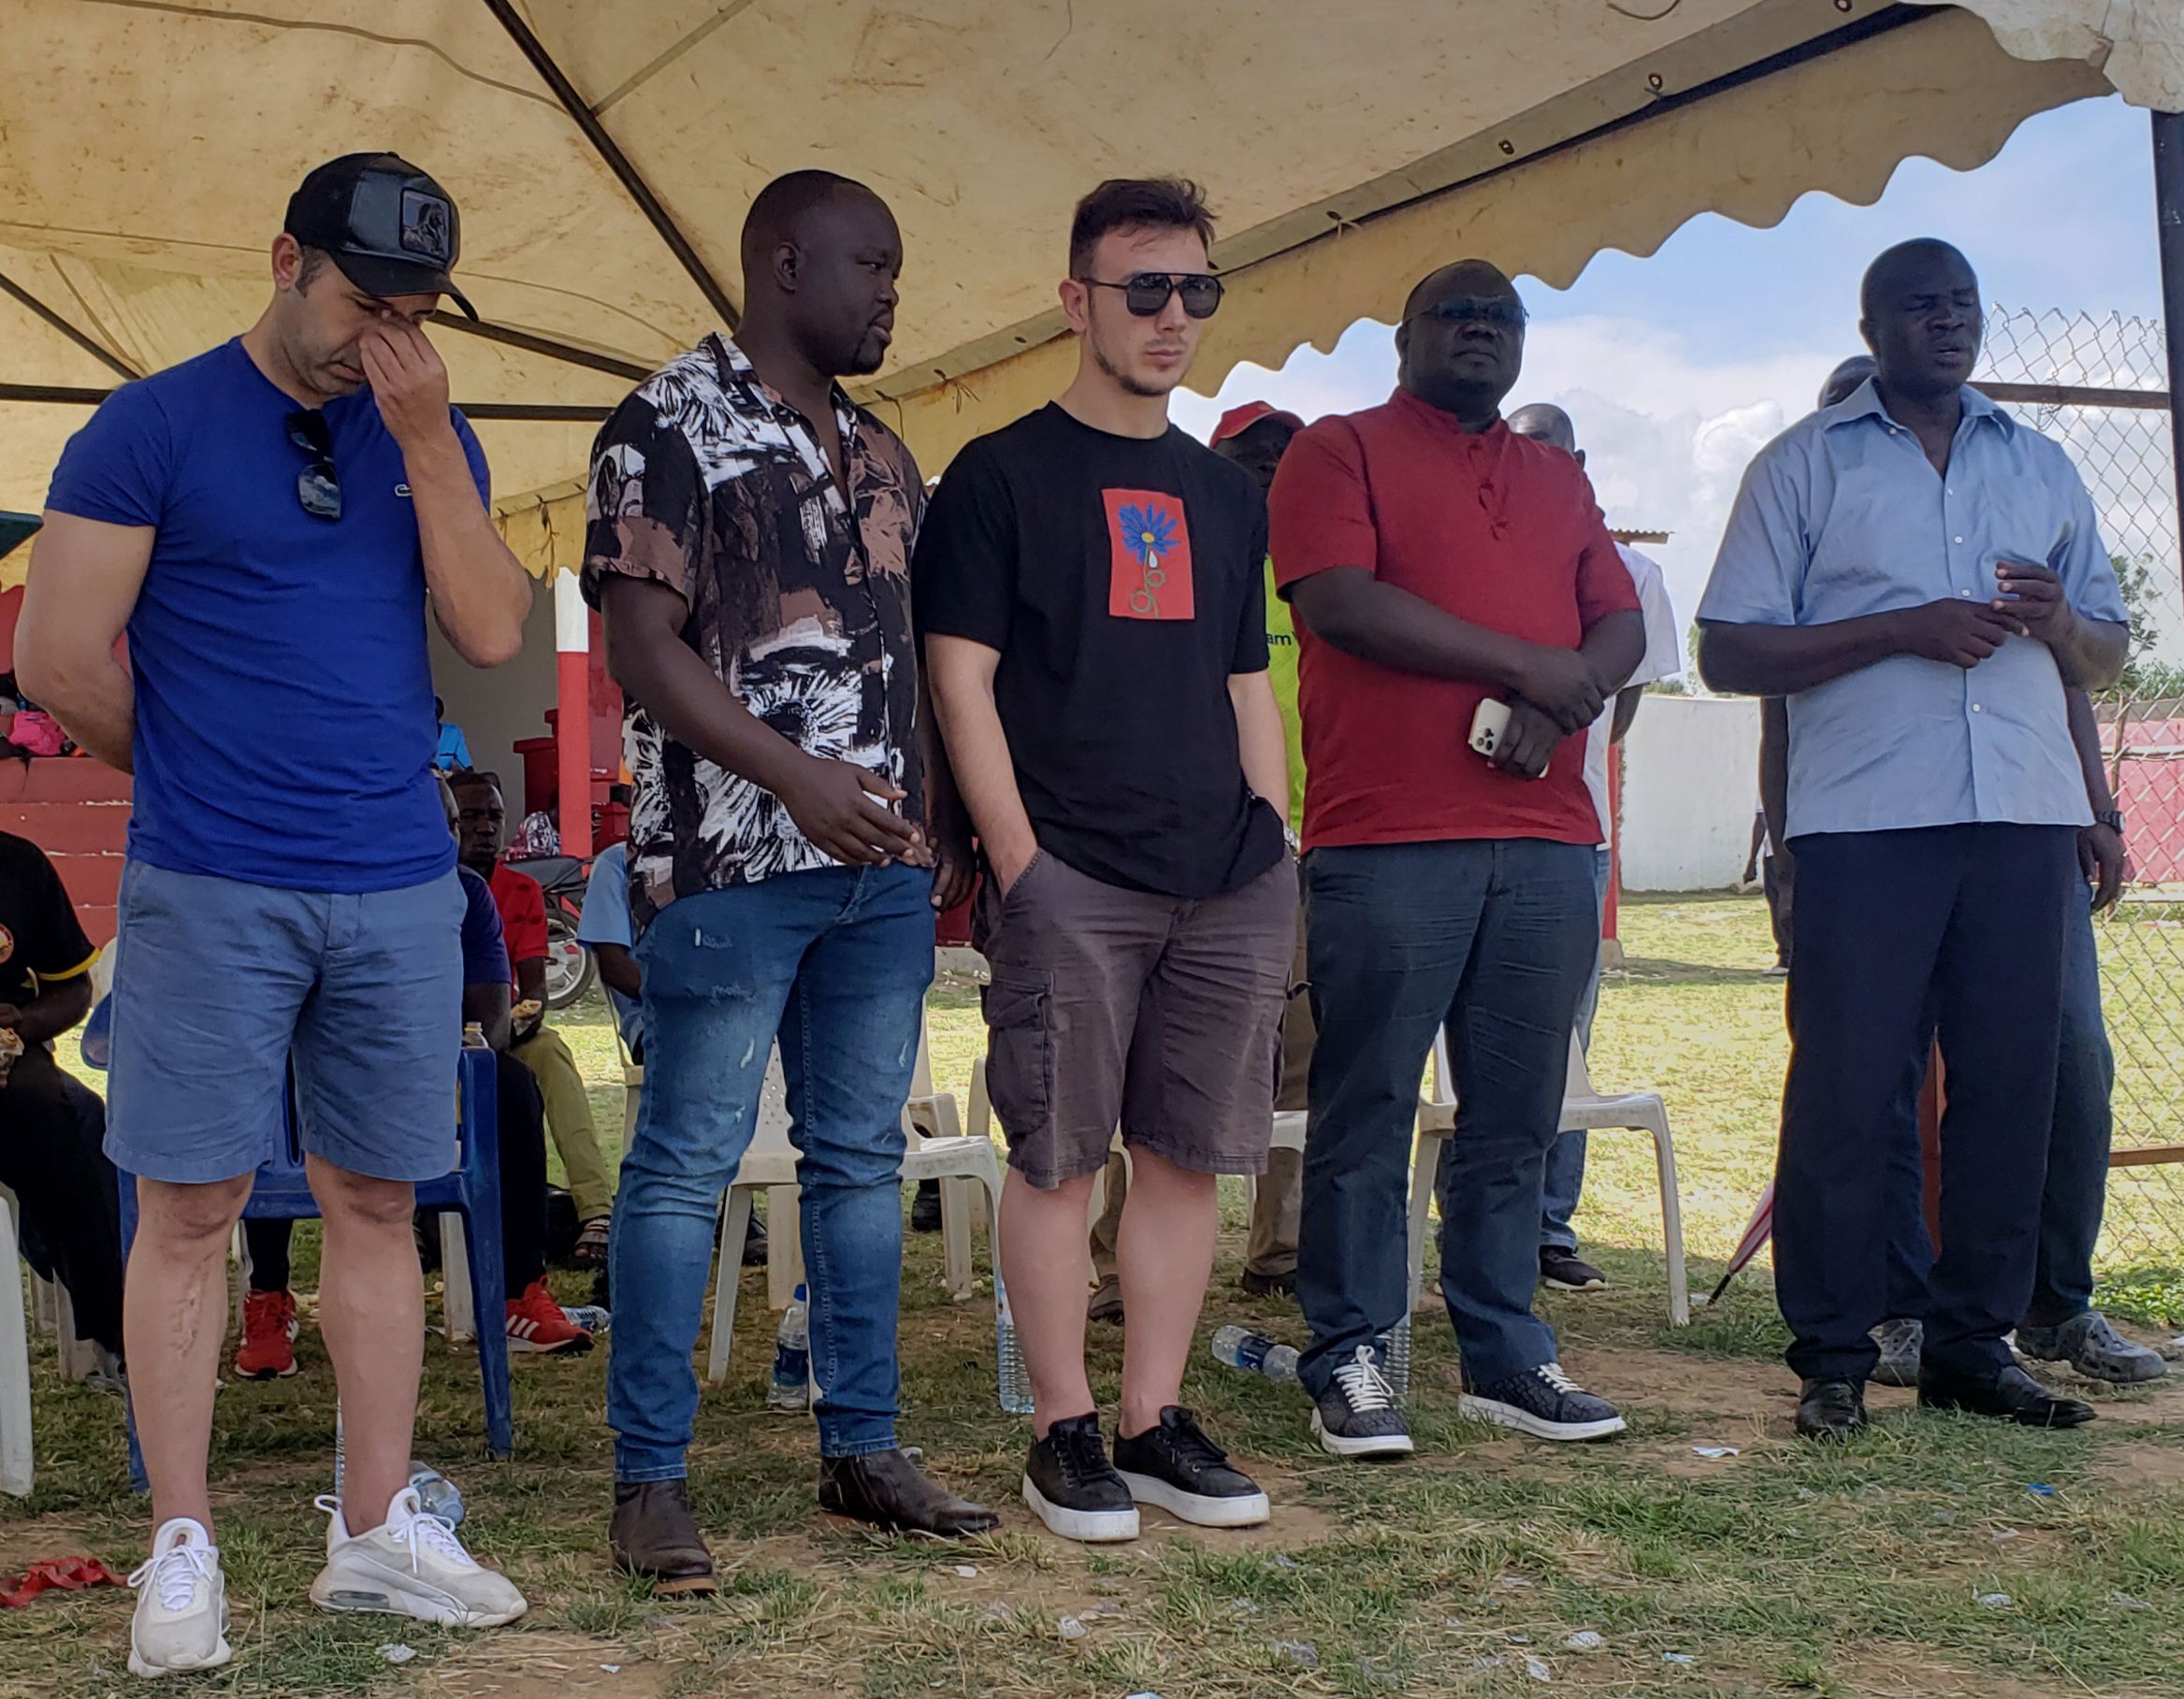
[
  {"x": 534, "y": 1322},
  {"x": 606, "y": 932},
  {"x": 481, "y": 819},
  {"x": 453, "y": 751},
  {"x": 51, "y": 1137}
]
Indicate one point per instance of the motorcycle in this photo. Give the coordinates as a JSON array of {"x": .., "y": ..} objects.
[{"x": 570, "y": 968}]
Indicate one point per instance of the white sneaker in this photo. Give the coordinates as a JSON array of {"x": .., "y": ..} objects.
[
  {"x": 181, "y": 1604},
  {"x": 413, "y": 1566}
]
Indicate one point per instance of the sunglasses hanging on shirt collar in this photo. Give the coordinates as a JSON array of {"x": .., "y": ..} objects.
[
  {"x": 318, "y": 486},
  {"x": 1146, "y": 295}
]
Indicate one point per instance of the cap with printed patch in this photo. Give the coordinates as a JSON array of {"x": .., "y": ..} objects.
[{"x": 390, "y": 228}]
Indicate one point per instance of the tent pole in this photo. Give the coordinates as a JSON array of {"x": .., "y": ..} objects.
[{"x": 2168, "y": 129}]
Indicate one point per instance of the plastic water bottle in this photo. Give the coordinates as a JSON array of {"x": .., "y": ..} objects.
[
  {"x": 436, "y": 1494},
  {"x": 1397, "y": 1347},
  {"x": 792, "y": 1358},
  {"x": 1016, "y": 1379},
  {"x": 1255, "y": 1354},
  {"x": 474, "y": 1036},
  {"x": 591, "y": 1317}
]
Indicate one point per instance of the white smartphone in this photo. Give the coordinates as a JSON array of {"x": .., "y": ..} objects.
[{"x": 1488, "y": 725}]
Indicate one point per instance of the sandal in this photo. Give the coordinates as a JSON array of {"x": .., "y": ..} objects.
[{"x": 591, "y": 1244}]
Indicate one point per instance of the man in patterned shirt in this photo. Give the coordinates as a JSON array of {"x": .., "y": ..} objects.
[{"x": 749, "y": 547}]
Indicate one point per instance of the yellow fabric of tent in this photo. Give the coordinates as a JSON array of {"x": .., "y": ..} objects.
[{"x": 602, "y": 156}]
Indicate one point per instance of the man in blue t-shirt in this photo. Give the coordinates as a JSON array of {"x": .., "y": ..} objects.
[{"x": 266, "y": 523}]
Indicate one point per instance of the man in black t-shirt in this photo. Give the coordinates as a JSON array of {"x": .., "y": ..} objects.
[
  {"x": 1089, "y": 585},
  {"x": 50, "y": 1154}
]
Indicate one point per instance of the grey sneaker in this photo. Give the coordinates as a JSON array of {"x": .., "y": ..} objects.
[
  {"x": 2093, "y": 1348},
  {"x": 1357, "y": 1415},
  {"x": 1901, "y": 1340}
]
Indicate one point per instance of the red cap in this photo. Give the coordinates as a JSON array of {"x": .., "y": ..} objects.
[{"x": 1238, "y": 420}]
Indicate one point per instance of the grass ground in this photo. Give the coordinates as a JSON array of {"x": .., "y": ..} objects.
[{"x": 1914, "y": 1561}]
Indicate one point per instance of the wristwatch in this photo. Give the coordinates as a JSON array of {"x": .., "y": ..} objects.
[{"x": 2112, "y": 818}]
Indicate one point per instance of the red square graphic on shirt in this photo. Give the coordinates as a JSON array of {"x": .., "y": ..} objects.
[{"x": 1148, "y": 549}]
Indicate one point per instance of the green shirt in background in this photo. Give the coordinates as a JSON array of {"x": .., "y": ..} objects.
[{"x": 1281, "y": 673}]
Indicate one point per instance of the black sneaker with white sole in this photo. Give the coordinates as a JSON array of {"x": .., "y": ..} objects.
[
  {"x": 1544, "y": 1403},
  {"x": 1357, "y": 1415},
  {"x": 1076, "y": 1491},
  {"x": 1175, "y": 1466}
]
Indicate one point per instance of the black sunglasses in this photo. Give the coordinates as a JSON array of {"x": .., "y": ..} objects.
[
  {"x": 318, "y": 486},
  {"x": 1501, "y": 310},
  {"x": 1146, "y": 295}
]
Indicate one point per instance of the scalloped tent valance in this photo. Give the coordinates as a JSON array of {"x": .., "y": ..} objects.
[{"x": 603, "y": 157}]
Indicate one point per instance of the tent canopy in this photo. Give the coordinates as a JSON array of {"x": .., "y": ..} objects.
[{"x": 603, "y": 157}]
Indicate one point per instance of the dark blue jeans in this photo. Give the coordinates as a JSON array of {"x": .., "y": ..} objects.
[
  {"x": 1492, "y": 939},
  {"x": 2076, "y": 1192},
  {"x": 835, "y": 962},
  {"x": 1565, "y": 1173},
  {"x": 1958, "y": 930}
]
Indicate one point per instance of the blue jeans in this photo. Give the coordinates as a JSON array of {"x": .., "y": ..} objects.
[
  {"x": 2076, "y": 1193},
  {"x": 1492, "y": 939},
  {"x": 1564, "y": 1176},
  {"x": 835, "y": 962}
]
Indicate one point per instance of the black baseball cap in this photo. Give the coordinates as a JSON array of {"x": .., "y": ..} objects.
[{"x": 390, "y": 228}]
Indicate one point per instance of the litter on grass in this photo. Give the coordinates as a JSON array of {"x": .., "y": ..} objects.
[
  {"x": 394, "y": 1651},
  {"x": 1715, "y": 1452},
  {"x": 1584, "y": 1640}
]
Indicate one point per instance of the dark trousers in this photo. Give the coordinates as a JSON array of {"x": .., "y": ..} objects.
[
  {"x": 51, "y": 1132},
  {"x": 1961, "y": 925},
  {"x": 1492, "y": 939},
  {"x": 2075, "y": 1194},
  {"x": 523, "y": 1193}
]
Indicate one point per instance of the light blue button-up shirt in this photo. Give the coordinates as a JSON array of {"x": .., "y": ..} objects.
[{"x": 1842, "y": 515}]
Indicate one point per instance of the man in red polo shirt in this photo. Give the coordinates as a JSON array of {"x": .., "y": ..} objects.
[{"x": 1438, "y": 562}]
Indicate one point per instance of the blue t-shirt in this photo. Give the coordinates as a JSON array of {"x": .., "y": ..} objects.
[
  {"x": 484, "y": 945},
  {"x": 285, "y": 722},
  {"x": 606, "y": 920},
  {"x": 453, "y": 749}
]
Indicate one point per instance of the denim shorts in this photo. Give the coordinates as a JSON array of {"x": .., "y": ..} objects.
[{"x": 218, "y": 983}]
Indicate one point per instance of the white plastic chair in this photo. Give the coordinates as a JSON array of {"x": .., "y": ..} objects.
[
  {"x": 1583, "y": 1108},
  {"x": 17, "y": 1458},
  {"x": 963, "y": 1165}
]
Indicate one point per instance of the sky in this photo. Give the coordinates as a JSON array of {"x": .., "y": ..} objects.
[{"x": 1678, "y": 367}]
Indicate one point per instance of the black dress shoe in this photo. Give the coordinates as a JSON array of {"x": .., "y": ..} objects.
[
  {"x": 1830, "y": 1409},
  {"x": 2009, "y": 1393},
  {"x": 654, "y": 1534},
  {"x": 889, "y": 1490},
  {"x": 755, "y": 1244},
  {"x": 925, "y": 1208}
]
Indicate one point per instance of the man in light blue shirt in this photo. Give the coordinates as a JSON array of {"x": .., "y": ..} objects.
[
  {"x": 1920, "y": 576},
  {"x": 604, "y": 929}
]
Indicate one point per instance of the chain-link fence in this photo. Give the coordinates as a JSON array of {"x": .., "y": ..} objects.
[{"x": 2096, "y": 385}]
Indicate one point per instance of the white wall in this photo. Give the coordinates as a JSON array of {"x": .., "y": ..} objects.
[
  {"x": 1690, "y": 787},
  {"x": 496, "y": 708}
]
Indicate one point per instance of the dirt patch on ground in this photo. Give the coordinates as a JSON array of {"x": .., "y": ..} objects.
[
  {"x": 2141, "y": 1466},
  {"x": 1906, "y": 1674},
  {"x": 1759, "y": 1395},
  {"x": 545, "y": 1666}
]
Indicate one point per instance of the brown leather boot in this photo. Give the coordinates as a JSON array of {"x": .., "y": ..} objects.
[
  {"x": 654, "y": 1534},
  {"x": 889, "y": 1490}
]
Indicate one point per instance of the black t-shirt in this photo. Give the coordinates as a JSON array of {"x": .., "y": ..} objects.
[
  {"x": 1122, "y": 580},
  {"x": 40, "y": 938}
]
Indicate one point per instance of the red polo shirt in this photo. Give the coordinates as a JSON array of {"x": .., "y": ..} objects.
[
  {"x": 522, "y": 902},
  {"x": 1495, "y": 528}
]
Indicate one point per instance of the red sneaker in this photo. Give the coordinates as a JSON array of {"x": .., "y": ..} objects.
[
  {"x": 268, "y": 1337},
  {"x": 537, "y": 1323}
]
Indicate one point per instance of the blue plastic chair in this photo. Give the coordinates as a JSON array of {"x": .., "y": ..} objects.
[{"x": 471, "y": 1190}]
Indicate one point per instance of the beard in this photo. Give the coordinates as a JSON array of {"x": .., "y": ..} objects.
[{"x": 1132, "y": 385}]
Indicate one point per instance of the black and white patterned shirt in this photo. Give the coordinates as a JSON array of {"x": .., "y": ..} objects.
[{"x": 799, "y": 598}]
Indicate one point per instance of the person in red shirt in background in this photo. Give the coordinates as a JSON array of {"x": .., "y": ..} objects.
[
  {"x": 1438, "y": 563},
  {"x": 482, "y": 821}
]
